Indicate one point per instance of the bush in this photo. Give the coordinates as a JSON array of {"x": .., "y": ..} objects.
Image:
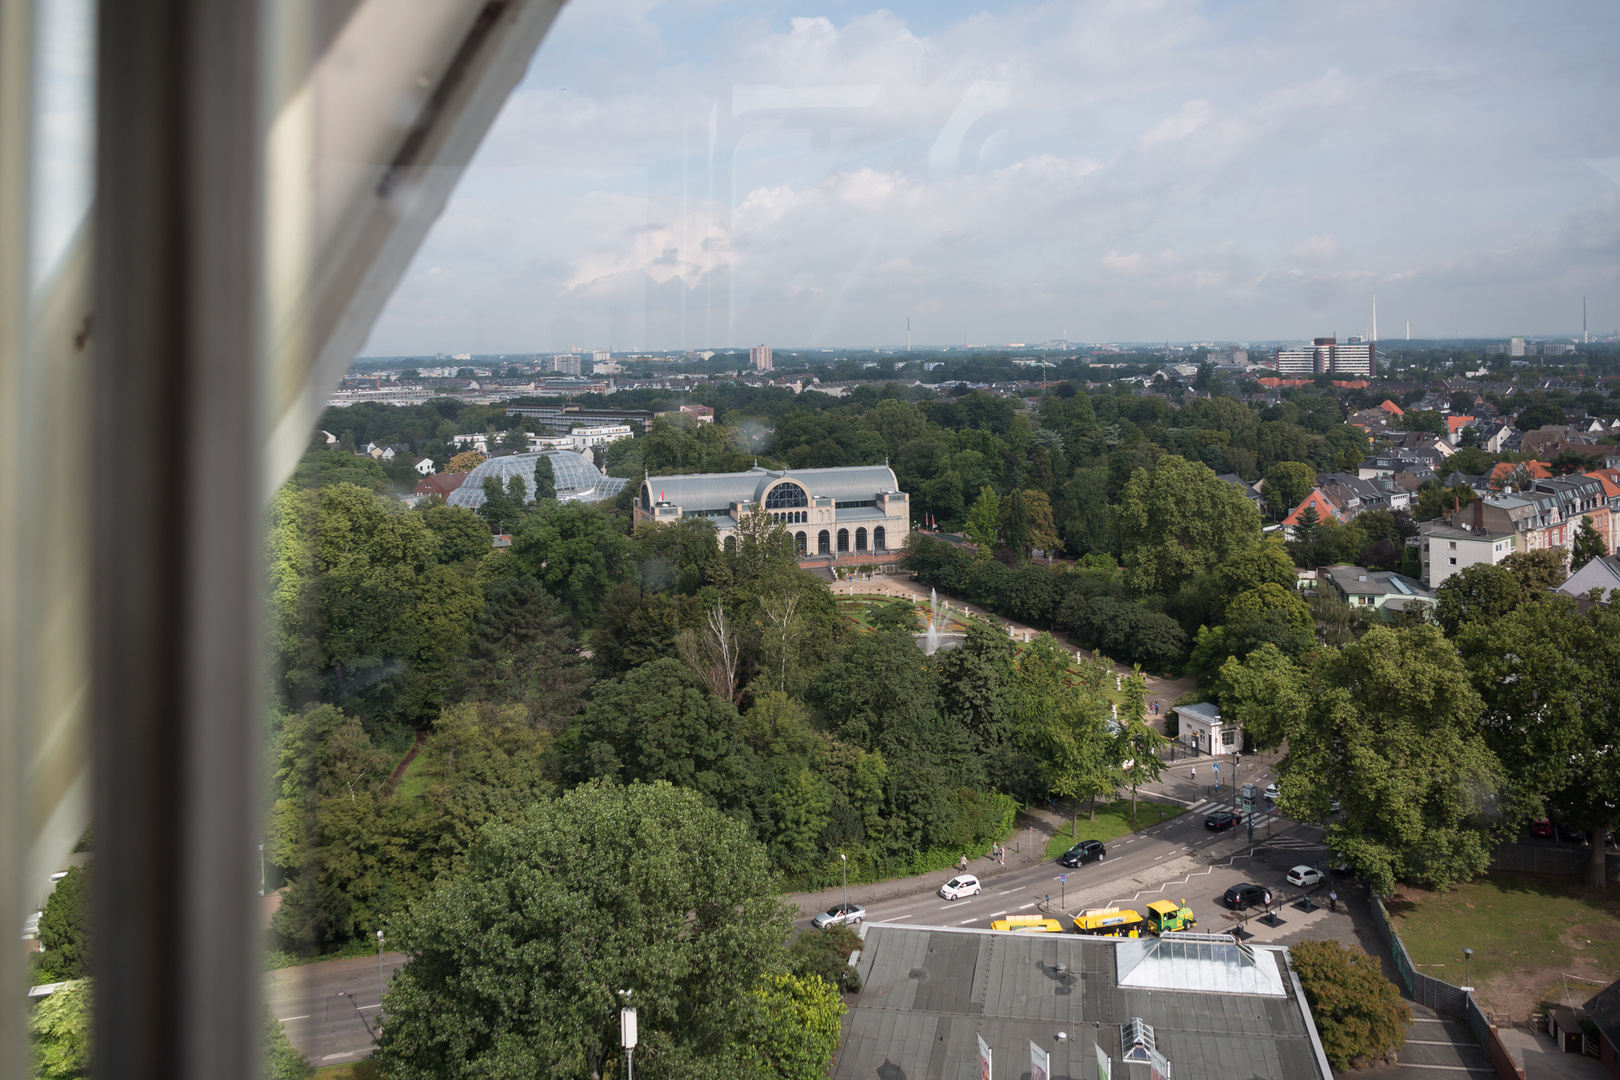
[
  {"x": 825, "y": 953},
  {"x": 1358, "y": 1012}
]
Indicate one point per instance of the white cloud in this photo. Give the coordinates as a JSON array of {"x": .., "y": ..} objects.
[{"x": 1011, "y": 173}]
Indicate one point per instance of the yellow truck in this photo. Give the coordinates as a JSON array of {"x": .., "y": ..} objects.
[
  {"x": 1028, "y": 924},
  {"x": 1109, "y": 922},
  {"x": 1163, "y": 916}
]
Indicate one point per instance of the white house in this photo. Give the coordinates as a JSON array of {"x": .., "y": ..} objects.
[
  {"x": 1203, "y": 730},
  {"x": 424, "y": 466}
]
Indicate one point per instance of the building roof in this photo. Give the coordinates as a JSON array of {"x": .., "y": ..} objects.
[
  {"x": 1205, "y": 712},
  {"x": 1602, "y": 573},
  {"x": 576, "y": 478},
  {"x": 439, "y": 484},
  {"x": 717, "y": 491},
  {"x": 931, "y": 992},
  {"x": 1324, "y": 508},
  {"x": 1391, "y": 408},
  {"x": 1359, "y": 581},
  {"x": 1604, "y": 1009}
]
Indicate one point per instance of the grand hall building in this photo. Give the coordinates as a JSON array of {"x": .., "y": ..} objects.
[{"x": 847, "y": 511}]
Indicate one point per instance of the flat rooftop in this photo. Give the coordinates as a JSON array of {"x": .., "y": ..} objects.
[{"x": 930, "y": 992}]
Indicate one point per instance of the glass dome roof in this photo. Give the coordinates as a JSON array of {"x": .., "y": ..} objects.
[{"x": 577, "y": 478}]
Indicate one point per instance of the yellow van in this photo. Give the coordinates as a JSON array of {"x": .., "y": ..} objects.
[
  {"x": 1028, "y": 924},
  {"x": 1109, "y": 922}
]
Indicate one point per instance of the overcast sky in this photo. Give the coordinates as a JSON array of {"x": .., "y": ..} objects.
[{"x": 708, "y": 173}]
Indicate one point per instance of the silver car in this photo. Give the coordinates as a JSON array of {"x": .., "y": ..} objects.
[{"x": 839, "y": 915}]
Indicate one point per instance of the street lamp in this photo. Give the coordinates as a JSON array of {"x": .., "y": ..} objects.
[
  {"x": 844, "y": 862},
  {"x": 627, "y": 1035},
  {"x": 379, "y": 968},
  {"x": 1468, "y": 954},
  {"x": 261, "y": 869}
]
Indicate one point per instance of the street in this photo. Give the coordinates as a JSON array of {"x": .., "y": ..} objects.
[{"x": 330, "y": 1009}]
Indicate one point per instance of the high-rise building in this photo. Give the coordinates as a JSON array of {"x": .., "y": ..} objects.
[
  {"x": 759, "y": 357},
  {"x": 1326, "y": 356},
  {"x": 563, "y": 363}
]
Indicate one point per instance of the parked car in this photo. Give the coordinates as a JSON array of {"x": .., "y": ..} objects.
[
  {"x": 1303, "y": 877},
  {"x": 1541, "y": 827},
  {"x": 1221, "y": 820},
  {"x": 1083, "y": 852},
  {"x": 1272, "y": 792},
  {"x": 1568, "y": 835},
  {"x": 1239, "y": 897},
  {"x": 959, "y": 886},
  {"x": 839, "y": 915}
]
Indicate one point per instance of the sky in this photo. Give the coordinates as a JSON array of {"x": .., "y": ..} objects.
[{"x": 719, "y": 173}]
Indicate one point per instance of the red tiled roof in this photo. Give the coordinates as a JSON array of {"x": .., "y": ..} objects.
[
  {"x": 1324, "y": 508},
  {"x": 1609, "y": 478},
  {"x": 1537, "y": 469},
  {"x": 1391, "y": 408},
  {"x": 439, "y": 483},
  {"x": 1455, "y": 424}
]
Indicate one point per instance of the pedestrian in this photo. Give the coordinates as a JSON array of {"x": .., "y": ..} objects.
[
  {"x": 962, "y": 866},
  {"x": 1333, "y": 900},
  {"x": 1194, "y": 775}
]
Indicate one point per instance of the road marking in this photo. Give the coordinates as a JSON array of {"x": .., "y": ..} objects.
[
  {"x": 1004, "y": 892},
  {"x": 964, "y": 922},
  {"x": 1026, "y": 907},
  {"x": 998, "y": 914},
  {"x": 897, "y": 918},
  {"x": 1156, "y": 858},
  {"x": 284, "y": 1019},
  {"x": 363, "y": 1008}
]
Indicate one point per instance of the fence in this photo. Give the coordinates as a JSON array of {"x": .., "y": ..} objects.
[
  {"x": 1443, "y": 997},
  {"x": 1548, "y": 858}
]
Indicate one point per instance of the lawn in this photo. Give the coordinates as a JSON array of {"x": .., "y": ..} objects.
[
  {"x": 1113, "y": 820},
  {"x": 1525, "y": 929},
  {"x": 357, "y": 1070}
]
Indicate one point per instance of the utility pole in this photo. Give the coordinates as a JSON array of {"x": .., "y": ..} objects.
[{"x": 379, "y": 970}]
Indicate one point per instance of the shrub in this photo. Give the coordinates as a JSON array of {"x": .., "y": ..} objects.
[
  {"x": 825, "y": 953},
  {"x": 1358, "y": 1012}
]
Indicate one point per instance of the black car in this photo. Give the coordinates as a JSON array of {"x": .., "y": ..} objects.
[
  {"x": 1239, "y": 897},
  {"x": 1083, "y": 852},
  {"x": 1221, "y": 821},
  {"x": 1567, "y": 835}
]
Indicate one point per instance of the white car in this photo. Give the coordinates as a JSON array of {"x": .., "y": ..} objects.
[
  {"x": 959, "y": 886},
  {"x": 1303, "y": 877},
  {"x": 1272, "y": 791}
]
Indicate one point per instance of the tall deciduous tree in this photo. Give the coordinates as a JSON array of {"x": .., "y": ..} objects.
[
  {"x": 515, "y": 966},
  {"x": 1539, "y": 572},
  {"x": 1287, "y": 484},
  {"x": 1478, "y": 593},
  {"x": 1550, "y": 678},
  {"x": 1136, "y": 745},
  {"x": 1178, "y": 521},
  {"x": 577, "y": 552},
  {"x": 981, "y": 521},
  {"x": 1388, "y": 726}
]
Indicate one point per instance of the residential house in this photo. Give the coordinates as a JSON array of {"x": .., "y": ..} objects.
[
  {"x": 440, "y": 484},
  {"x": 1447, "y": 550},
  {"x": 1383, "y": 591},
  {"x": 1601, "y": 573},
  {"x": 1515, "y": 475},
  {"x": 1325, "y": 508},
  {"x": 1250, "y": 491},
  {"x": 1494, "y": 437},
  {"x": 424, "y": 466},
  {"x": 1201, "y": 728}
]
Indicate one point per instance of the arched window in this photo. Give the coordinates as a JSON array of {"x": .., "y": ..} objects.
[
  {"x": 785, "y": 496},
  {"x": 860, "y": 539},
  {"x": 803, "y": 543},
  {"x": 823, "y": 543},
  {"x": 646, "y": 496},
  {"x": 880, "y": 539},
  {"x": 843, "y": 540},
  {"x": 731, "y": 543}
]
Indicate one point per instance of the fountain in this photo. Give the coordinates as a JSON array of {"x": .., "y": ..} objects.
[{"x": 931, "y": 639}]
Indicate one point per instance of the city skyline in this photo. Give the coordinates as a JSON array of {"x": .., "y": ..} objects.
[{"x": 1093, "y": 173}]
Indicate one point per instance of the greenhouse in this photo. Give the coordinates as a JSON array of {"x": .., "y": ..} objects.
[{"x": 576, "y": 477}]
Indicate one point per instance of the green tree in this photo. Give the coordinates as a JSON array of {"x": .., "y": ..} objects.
[
  {"x": 1539, "y": 572},
  {"x": 545, "y": 479},
  {"x": 799, "y": 1026},
  {"x": 281, "y": 1060},
  {"x": 64, "y": 929},
  {"x": 1589, "y": 544},
  {"x": 577, "y": 552},
  {"x": 1178, "y": 521},
  {"x": 1305, "y": 527},
  {"x": 825, "y": 954},
  {"x": 1388, "y": 726},
  {"x": 1017, "y": 527},
  {"x": 59, "y": 1028},
  {"x": 515, "y": 966},
  {"x": 981, "y": 521},
  {"x": 460, "y": 534},
  {"x": 1358, "y": 1012},
  {"x": 1550, "y": 679},
  {"x": 503, "y": 507},
  {"x": 1136, "y": 745},
  {"x": 1478, "y": 593},
  {"x": 1079, "y": 758},
  {"x": 1287, "y": 484},
  {"x": 523, "y": 651}
]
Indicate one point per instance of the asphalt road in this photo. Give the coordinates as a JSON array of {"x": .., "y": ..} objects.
[{"x": 331, "y": 1009}]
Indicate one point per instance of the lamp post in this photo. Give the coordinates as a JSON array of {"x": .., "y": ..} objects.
[
  {"x": 379, "y": 968},
  {"x": 627, "y": 1035},
  {"x": 261, "y": 869},
  {"x": 843, "y": 861},
  {"x": 1468, "y": 955}
]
